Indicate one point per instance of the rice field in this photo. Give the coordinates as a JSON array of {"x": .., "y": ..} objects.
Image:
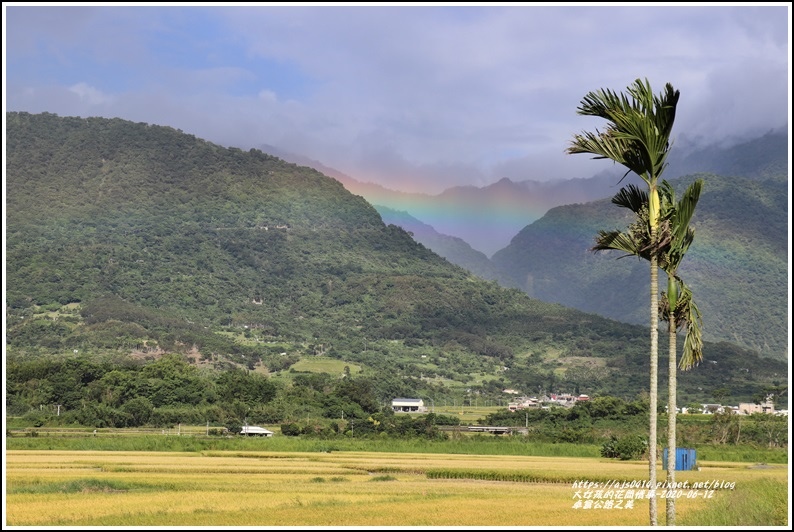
[{"x": 349, "y": 488}]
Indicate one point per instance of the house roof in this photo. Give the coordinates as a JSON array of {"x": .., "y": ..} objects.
[{"x": 255, "y": 429}]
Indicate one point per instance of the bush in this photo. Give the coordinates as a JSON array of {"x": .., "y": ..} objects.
[
  {"x": 37, "y": 418},
  {"x": 630, "y": 447},
  {"x": 290, "y": 429}
]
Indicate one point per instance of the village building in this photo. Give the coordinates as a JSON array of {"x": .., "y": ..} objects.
[
  {"x": 253, "y": 430},
  {"x": 767, "y": 407},
  {"x": 522, "y": 403},
  {"x": 402, "y": 404}
]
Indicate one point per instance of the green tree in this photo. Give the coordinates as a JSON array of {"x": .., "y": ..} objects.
[
  {"x": 719, "y": 394},
  {"x": 139, "y": 409},
  {"x": 638, "y": 137},
  {"x": 249, "y": 388}
]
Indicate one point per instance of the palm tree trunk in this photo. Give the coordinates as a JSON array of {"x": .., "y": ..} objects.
[
  {"x": 654, "y": 380},
  {"x": 672, "y": 455}
]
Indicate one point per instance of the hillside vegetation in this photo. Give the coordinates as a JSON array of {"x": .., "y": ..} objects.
[
  {"x": 132, "y": 240},
  {"x": 737, "y": 266}
]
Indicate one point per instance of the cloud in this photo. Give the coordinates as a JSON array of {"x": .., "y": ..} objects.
[
  {"x": 90, "y": 95},
  {"x": 419, "y": 96}
]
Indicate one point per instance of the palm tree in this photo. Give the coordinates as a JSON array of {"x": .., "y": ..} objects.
[
  {"x": 637, "y": 136},
  {"x": 677, "y": 307}
]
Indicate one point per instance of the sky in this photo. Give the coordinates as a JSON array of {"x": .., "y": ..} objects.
[{"x": 415, "y": 97}]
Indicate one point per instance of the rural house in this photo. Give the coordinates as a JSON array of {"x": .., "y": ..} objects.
[
  {"x": 252, "y": 430},
  {"x": 408, "y": 405}
]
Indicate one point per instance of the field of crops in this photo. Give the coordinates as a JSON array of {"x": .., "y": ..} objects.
[{"x": 348, "y": 488}]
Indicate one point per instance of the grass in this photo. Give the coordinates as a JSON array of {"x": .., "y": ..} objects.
[
  {"x": 83, "y": 485},
  {"x": 742, "y": 453},
  {"x": 468, "y": 415},
  {"x": 192, "y": 439},
  {"x": 759, "y": 502},
  {"x": 320, "y": 364},
  {"x": 475, "y": 444}
]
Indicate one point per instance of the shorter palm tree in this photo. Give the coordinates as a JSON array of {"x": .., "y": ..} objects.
[{"x": 677, "y": 307}]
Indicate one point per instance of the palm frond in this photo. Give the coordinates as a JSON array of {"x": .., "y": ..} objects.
[
  {"x": 677, "y": 235},
  {"x": 631, "y": 197},
  {"x": 685, "y": 208},
  {"x": 638, "y": 130},
  {"x": 616, "y": 241},
  {"x": 693, "y": 342},
  {"x": 686, "y": 315}
]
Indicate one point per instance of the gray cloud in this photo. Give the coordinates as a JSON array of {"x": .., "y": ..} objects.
[{"x": 416, "y": 96}]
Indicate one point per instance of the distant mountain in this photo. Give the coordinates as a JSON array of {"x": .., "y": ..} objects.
[
  {"x": 488, "y": 217},
  {"x": 451, "y": 248},
  {"x": 127, "y": 238},
  {"x": 737, "y": 266},
  {"x": 765, "y": 157}
]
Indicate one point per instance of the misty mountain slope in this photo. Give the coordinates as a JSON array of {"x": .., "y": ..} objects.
[
  {"x": 488, "y": 217},
  {"x": 736, "y": 267},
  {"x": 761, "y": 158},
  {"x": 451, "y": 248},
  {"x": 150, "y": 227},
  {"x": 125, "y": 237}
]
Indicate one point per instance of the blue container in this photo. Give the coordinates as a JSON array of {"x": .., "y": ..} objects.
[{"x": 684, "y": 459}]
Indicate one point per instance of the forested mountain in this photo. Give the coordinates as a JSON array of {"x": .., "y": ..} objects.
[
  {"x": 129, "y": 238},
  {"x": 737, "y": 266}
]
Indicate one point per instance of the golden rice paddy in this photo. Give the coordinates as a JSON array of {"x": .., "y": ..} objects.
[{"x": 234, "y": 488}]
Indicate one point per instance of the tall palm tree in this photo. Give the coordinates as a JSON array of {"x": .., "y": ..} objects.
[
  {"x": 676, "y": 306},
  {"x": 637, "y": 136}
]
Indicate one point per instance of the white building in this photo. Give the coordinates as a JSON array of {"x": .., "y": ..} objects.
[
  {"x": 402, "y": 404},
  {"x": 252, "y": 430}
]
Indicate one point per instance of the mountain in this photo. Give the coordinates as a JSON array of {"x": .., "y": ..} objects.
[
  {"x": 488, "y": 217},
  {"x": 454, "y": 249},
  {"x": 759, "y": 158},
  {"x": 737, "y": 266},
  {"x": 130, "y": 239}
]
